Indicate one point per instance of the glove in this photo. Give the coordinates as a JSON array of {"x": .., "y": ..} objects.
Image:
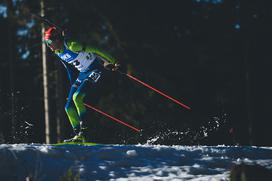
[{"x": 112, "y": 67}]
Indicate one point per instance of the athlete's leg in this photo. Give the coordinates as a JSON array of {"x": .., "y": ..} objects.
[
  {"x": 78, "y": 98},
  {"x": 86, "y": 82},
  {"x": 71, "y": 110}
]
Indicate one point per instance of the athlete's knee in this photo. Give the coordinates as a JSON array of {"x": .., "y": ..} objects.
[
  {"x": 78, "y": 97},
  {"x": 68, "y": 106}
]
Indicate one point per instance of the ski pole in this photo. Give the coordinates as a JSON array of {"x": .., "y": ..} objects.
[
  {"x": 156, "y": 90},
  {"x": 45, "y": 20},
  {"x": 113, "y": 118}
]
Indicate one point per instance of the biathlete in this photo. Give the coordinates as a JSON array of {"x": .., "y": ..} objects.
[{"x": 90, "y": 63}]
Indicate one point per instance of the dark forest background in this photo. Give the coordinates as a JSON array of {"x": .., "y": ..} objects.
[{"x": 214, "y": 55}]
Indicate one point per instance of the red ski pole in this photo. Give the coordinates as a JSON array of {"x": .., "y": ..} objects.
[
  {"x": 113, "y": 118},
  {"x": 156, "y": 90}
]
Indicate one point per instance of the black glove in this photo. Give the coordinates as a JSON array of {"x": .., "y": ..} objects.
[{"x": 112, "y": 67}]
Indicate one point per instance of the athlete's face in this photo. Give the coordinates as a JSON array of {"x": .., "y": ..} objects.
[{"x": 54, "y": 45}]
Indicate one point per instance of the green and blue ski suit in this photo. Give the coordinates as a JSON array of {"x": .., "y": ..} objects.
[{"x": 90, "y": 64}]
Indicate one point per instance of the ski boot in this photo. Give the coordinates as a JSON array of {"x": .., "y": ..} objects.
[
  {"x": 78, "y": 138},
  {"x": 79, "y": 135}
]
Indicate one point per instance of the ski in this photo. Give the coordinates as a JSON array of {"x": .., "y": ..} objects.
[{"x": 77, "y": 143}]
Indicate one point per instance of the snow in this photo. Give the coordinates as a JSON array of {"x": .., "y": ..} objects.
[{"x": 126, "y": 162}]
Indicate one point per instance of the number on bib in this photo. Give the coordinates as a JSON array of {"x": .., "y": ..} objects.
[{"x": 94, "y": 76}]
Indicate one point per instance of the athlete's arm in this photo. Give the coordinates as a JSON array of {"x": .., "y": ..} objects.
[
  {"x": 106, "y": 60},
  {"x": 103, "y": 55},
  {"x": 69, "y": 71}
]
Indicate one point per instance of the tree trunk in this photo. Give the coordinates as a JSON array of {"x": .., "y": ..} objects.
[
  {"x": 11, "y": 69},
  {"x": 48, "y": 136}
]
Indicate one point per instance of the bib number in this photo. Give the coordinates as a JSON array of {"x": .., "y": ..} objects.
[{"x": 95, "y": 76}]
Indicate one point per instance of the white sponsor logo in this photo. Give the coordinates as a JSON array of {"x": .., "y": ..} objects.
[{"x": 66, "y": 56}]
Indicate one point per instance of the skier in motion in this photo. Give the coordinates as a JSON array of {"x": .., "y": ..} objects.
[{"x": 90, "y": 63}]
